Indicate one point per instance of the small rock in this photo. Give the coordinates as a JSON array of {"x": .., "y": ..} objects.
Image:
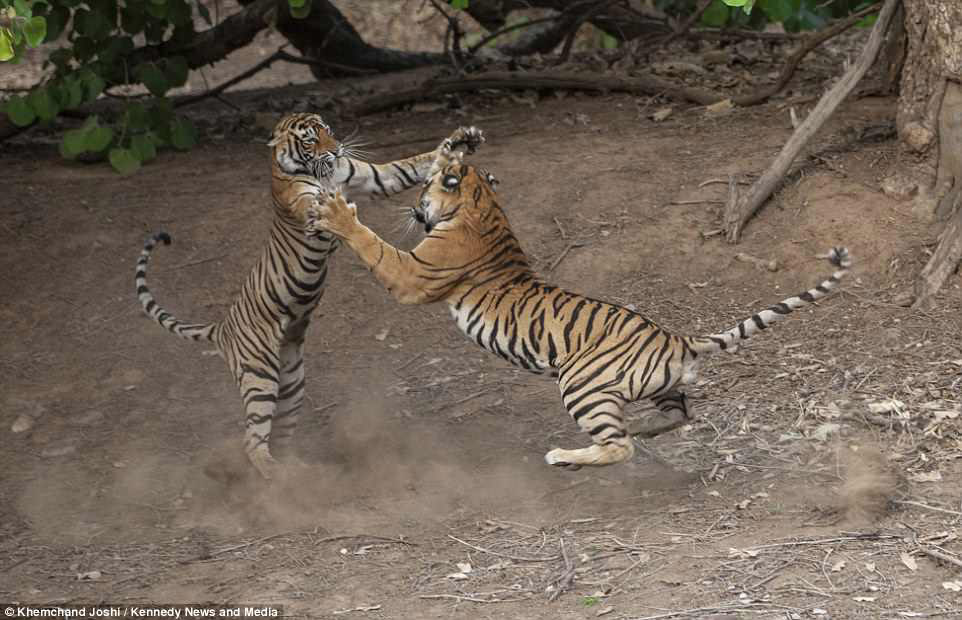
[
  {"x": 87, "y": 417},
  {"x": 93, "y": 575},
  {"x": 55, "y": 451},
  {"x": 22, "y": 423}
]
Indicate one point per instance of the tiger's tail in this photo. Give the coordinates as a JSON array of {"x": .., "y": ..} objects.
[
  {"x": 189, "y": 331},
  {"x": 761, "y": 320}
]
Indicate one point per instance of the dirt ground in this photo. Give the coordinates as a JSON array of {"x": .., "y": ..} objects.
[{"x": 796, "y": 494}]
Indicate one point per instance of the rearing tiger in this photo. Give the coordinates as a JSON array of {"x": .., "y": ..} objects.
[
  {"x": 262, "y": 336},
  {"x": 603, "y": 355}
]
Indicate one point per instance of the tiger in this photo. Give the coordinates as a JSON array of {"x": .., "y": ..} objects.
[
  {"x": 602, "y": 355},
  {"x": 262, "y": 336}
]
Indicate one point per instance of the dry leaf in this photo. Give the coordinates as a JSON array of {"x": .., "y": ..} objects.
[
  {"x": 661, "y": 114},
  {"x": 381, "y": 335},
  {"x": 909, "y": 561},
  {"x": 864, "y": 599},
  {"x": 605, "y": 610},
  {"x": 838, "y": 566},
  {"x": 955, "y": 586},
  {"x": 722, "y": 107},
  {"x": 926, "y": 476},
  {"x": 457, "y": 576},
  {"x": 886, "y": 406},
  {"x": 464, "y": 567}
]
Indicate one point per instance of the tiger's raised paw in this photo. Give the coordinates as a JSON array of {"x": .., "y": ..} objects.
[
  {"x": 334, "y": 215},
  {"x": 469, "y": 137}
]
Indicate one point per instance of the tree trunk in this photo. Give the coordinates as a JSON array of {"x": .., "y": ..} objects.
[{"x": 929, "y": 120}]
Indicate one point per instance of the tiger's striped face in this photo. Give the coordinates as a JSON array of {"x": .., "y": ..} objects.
[
  {"x": 304, "y": 144},
  {"x": 455, "y": 193}
]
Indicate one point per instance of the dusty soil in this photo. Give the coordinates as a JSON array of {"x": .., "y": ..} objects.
[{"x": 426, "y": 495}]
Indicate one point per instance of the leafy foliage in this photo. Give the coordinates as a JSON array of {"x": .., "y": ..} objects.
[
  {"x": 793, "y": 15},
  {"x": 19, "y": 28},
  {"x": 99, "y": 37}
]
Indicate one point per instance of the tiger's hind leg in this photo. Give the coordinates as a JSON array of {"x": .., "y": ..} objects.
[
  {"x": 259, "y": 388},
  {"x": 289, "y": 400},
  {"x": 673, "y": 413},
  {"x": 600, "y": 414}
]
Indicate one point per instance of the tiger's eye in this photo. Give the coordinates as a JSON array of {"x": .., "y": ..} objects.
[{"x": 451, "y": 181}]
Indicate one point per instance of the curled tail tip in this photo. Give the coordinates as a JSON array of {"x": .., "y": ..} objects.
[
  {"x": 164, "y": 237},
  {"x": 840, "y": 257}
]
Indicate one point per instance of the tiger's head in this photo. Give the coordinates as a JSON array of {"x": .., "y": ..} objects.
[
  {"x": 456, "y": 193},
  {"x": 304, "y": 145}
]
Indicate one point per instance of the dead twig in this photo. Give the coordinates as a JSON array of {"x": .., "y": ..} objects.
[
  {"x": 927, "y": 507},
  {"x": 563, "y": 254},
  {"x": 563, "y": 583},
  {"x": 472, "y": 599},
  {"x": 938, "y": 555},
  {"x": 517, "y": 558},
  {"x": 736, "y": 217}
]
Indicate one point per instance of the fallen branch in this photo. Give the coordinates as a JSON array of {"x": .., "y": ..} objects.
[
  {"x": 642, "y": 85},
  {"x": 742, "y": 210},
  {"x": 938, "y": 555}
]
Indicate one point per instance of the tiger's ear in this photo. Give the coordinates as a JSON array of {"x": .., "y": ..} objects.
[{"x": 275, "y": 139}]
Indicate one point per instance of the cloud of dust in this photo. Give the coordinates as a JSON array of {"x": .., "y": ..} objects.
[
  {"x": 870, "y": 482},
  {"x": 370, "y": 468}
]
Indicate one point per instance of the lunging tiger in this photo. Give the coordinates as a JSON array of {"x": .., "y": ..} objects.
[
  {"x": 603, "y": 355},
  {"x": 262, "y": 336}
]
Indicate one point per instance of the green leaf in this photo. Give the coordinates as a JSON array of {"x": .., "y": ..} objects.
[
  {"x": 716, "y": 16},
  {"x": 178, "y": 12},
  {"x": 91, "y": 24},
  {"x": 302, "y": 11},
  {"x": 183, "y": 136},
  {"x": 132, "y": 18},
  {"x": 98, "y": 138},
  {"x": 145, "y": 146},
  {"x": 35, "y": 31},
  {"x": 158, "y": 11},
  {"x": 74, "y": 143},
  {"x": 6, "y": 46},
  {"x": 459, "y": 4},
  {"x": 20, "y": 112},
  {"x": 296, "y": 4},
  {"x": 161, "y": 114},
  {"x": 124, "y": 161},
  {"x": 152, "y": 77},
  {"x": 93, "y": 85},
  {"x": 135, "y": 117},
  {"x": 43, "y": 104},
  {"x": 22, "y": 8},
  {"x": 777, "y": 10},
  {"x": 175, "y": 69}
]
